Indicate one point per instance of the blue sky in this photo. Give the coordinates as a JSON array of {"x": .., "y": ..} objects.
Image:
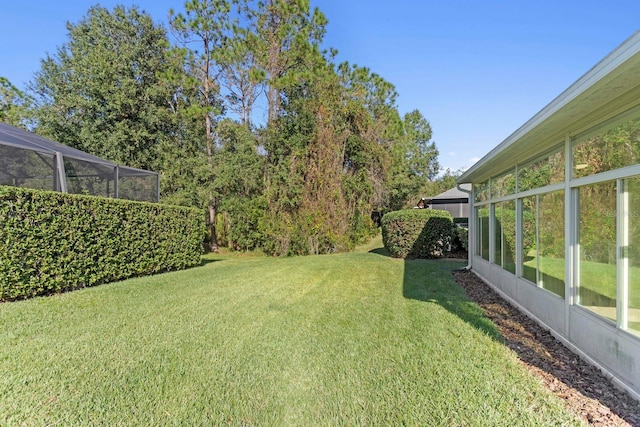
[{"x": 477, "y": 70}]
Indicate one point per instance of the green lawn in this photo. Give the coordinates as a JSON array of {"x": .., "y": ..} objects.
[{"x": 349, "y": 339}]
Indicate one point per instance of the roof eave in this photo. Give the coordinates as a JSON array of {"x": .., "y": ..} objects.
[{"x": 597, "y": 86}]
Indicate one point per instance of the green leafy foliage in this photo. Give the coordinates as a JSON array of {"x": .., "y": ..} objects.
[
  {"x": 417, "y": 233},
  {"x": 239, "y": 223},
  {"x": 52, "y": 242},
  {"x": 104, "y": 91},
  {"x": 414, "y": 160},
  {"x": 14, "y": 104},
  {"x": 304, "y": 178},
  {"x": 462, "y": 234}
]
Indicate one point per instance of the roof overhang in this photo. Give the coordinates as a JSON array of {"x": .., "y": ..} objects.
[
  {"x": 609, "y": 88},
  {"x": 448, "y": 201},
  {"x": 454, "y": 193},
  {"x": 20, "y": 138}
]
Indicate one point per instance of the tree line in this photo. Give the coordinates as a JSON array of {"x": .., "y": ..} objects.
[{"x": 245, "y": 115}]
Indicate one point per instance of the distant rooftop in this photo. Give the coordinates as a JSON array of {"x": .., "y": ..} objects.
[{"x": 453, "y": 193}]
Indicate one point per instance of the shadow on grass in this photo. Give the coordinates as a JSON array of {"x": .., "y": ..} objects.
[
  {"x": 380, "y": 251},
  {"x": 205, "y": 261},
  {"x": 432, "y": 281}
]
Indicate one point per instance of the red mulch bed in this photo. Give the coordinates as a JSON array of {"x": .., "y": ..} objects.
[{"x": 583, "y": 388}]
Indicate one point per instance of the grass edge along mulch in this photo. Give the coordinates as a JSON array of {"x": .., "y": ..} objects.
[
  {"x": 582, "y": 387},
  {"x": 347, "y": 339}
]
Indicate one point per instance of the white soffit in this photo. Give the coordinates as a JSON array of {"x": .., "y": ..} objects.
[{"x": 601, "y": 89}]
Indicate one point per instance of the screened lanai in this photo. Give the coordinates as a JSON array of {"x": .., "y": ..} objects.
[
  {"x": 31, "y": 161},
  {"x": 555, "y": 216},
  {"x": 454, "y": 200}
]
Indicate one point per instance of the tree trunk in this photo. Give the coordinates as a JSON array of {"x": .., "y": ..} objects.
[
  {"x": 272, "y": 101},
  {"x": 213, "y": 241}
]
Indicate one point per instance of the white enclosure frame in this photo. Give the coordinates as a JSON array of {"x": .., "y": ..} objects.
[{"x": 607, "y": 94}]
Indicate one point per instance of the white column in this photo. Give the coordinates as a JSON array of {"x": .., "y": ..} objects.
[
  {"x": 622, "y": 226},
  {"x": 519, "y": 235},
  {"x": 571, "y": 251}
]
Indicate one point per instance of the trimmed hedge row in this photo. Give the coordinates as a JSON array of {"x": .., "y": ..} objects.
[
  {"x": 54, "y": 242},
  {"x": 417, "y": 233}
]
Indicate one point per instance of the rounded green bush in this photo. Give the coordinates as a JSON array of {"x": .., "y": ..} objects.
[{"x": 417, "y": 233}]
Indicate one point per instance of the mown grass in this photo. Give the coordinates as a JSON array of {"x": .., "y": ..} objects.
[{"x": 349, "y": 339}]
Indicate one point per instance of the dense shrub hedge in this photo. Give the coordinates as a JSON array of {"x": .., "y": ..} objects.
[
  {"x": 418, "y": 233},
  {"x": 54, "y": 242},
  {"x": 462, "y": 234}
]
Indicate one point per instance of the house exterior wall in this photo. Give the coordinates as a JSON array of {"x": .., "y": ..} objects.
[
  {"x": 555, "y": 217},
  {"x": 456, "y": 209},
  {"x": 597, "y": 317}
]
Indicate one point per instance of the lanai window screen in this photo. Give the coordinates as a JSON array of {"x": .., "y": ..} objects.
[{"x": 31, "y": 161}]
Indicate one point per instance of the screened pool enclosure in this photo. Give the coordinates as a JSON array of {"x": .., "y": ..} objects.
[{"x": 31, "y": 161}]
